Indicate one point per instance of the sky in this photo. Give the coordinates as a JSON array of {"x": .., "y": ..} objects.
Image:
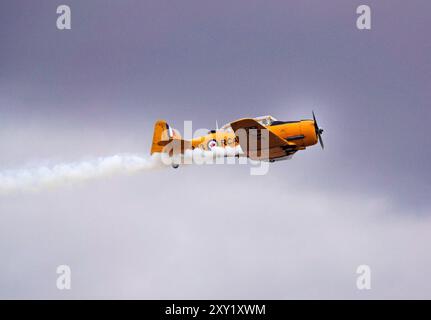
[{"x": 299, "y": 231}]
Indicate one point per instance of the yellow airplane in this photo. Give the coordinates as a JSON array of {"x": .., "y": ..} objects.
[{"x": 274, "y": 140}]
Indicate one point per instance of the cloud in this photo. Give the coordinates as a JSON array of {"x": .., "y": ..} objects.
[{"x": 210, "y": 232}]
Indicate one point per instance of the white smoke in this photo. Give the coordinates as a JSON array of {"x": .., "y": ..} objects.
[
  {"x": 199, "y": 156},
  {"x": 34, "y": 178}
]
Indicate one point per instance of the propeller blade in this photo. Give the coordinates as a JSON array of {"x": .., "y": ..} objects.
[
  {"x": 318, "y": 131},
  {"x": 321, "y": 141}
]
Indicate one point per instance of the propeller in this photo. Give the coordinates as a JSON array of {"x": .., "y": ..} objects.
[{"x": 318, "y": 130}]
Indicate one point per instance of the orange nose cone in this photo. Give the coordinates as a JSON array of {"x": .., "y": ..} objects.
[{"x": 307, "y": 129}]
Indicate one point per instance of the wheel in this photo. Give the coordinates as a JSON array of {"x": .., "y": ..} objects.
[
  {"x": 272, "y": 160},
  {"x": 175, "y": 165}
]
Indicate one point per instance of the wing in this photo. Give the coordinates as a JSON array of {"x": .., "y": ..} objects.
[{"x": 259, "y": 143}]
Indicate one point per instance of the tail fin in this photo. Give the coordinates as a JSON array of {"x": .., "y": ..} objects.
[{"x": 162, "y": 133}]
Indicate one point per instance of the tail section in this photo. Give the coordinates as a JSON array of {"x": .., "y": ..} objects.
[{"x": 161, "y": 136}]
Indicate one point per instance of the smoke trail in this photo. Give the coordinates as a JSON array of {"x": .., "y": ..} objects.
[
  {"x": 35, "y": 178},
  {"x": 205, "y": 156}
]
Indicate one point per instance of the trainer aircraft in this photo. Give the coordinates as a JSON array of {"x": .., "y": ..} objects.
[{"x": 261, "y": 138}]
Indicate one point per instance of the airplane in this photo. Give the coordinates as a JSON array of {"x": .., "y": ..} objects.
[{"x": 274, "y": 140}]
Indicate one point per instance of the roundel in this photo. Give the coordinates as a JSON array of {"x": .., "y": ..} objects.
[{"x": 212, "y": 144}]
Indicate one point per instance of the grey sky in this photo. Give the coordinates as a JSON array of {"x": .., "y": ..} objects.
[{"x": 215, "y": 231}]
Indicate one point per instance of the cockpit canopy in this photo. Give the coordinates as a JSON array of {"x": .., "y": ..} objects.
[{"x": 263, "y": 120}]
